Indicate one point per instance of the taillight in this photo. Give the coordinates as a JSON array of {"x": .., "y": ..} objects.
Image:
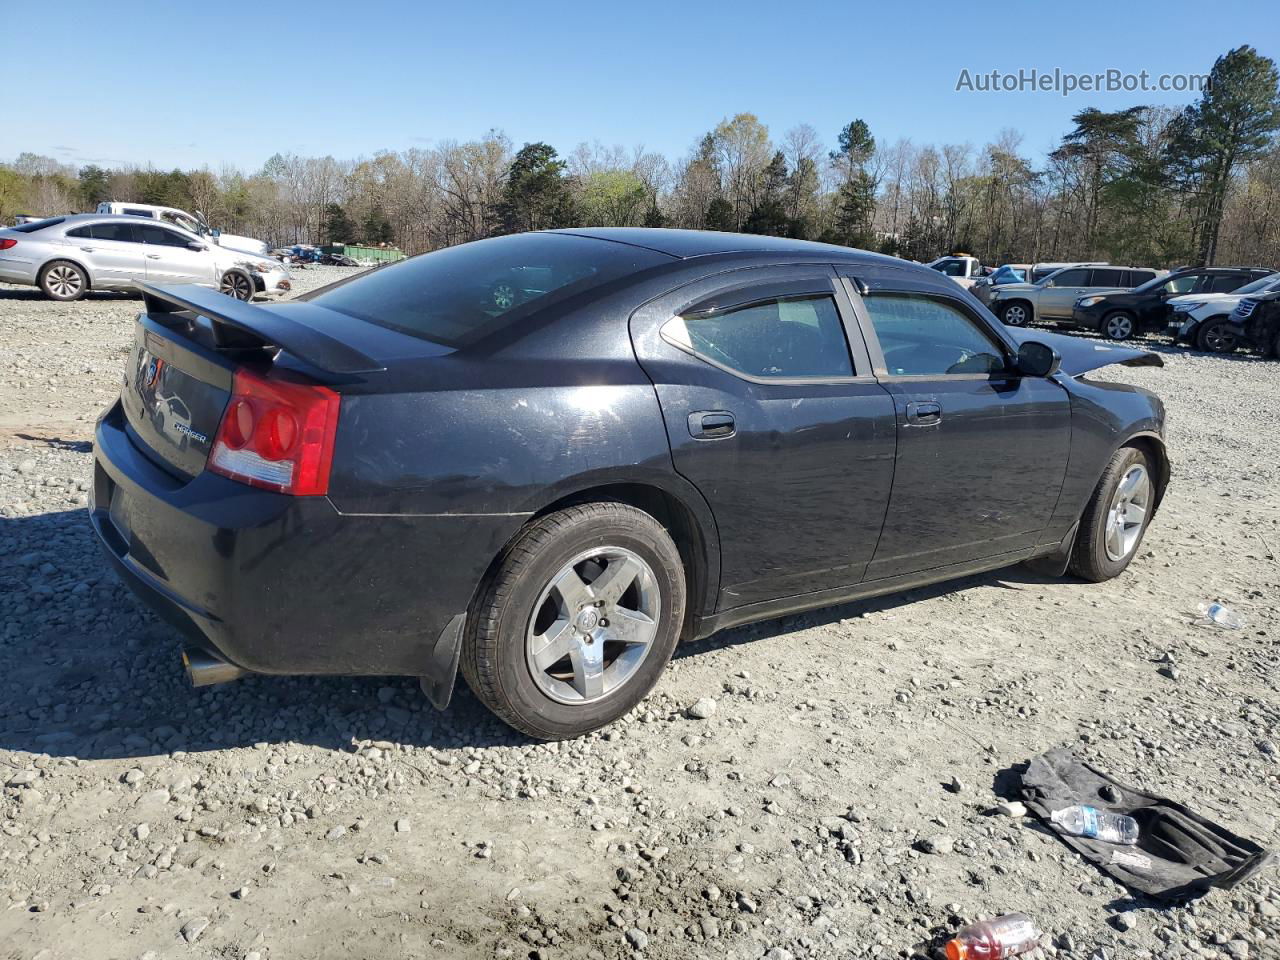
[
  {"x": 7, "y": 242},
  {"x": 277, "y": 434}
]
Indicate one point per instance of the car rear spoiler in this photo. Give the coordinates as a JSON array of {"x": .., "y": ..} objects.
[{"x": 240, "y": 325}]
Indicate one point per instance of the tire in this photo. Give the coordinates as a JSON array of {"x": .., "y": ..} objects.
[
  {"x": 529, "y": 598},
  {"x": 1117, "y": 326},
  {"x": 237, "y": 284},
  {"x": 1017, "y": 313},
  {"x": 1211, "y": 336},
  {"x": 64, "y": 281},
  {"x": 1103, "y": 548}
]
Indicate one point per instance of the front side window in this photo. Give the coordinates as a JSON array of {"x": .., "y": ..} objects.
[
  {"x": 952, "y": 268},
  {"x": 1071, "y": 278},
  {"x": 159, "y": 236},
  {"x": 790, "y": 338},
  {"x": 921, "y": 336},
  {"x": 1187, "y": 283}
]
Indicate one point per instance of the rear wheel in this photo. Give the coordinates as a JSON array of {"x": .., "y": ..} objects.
[
  {"x": 1117, "y": 326},
  {"x": 1212, "y": 336},
  {"x": 236, "y": 284},
  {"x": 578, "y": 621},
  {"x": 63, "y": 280},
  {"x": 1116, "y": 517},
  {"x": 1015, "y": 314}
]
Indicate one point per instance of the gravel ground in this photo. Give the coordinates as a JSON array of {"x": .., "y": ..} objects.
[{"x": 828, "y": 796}]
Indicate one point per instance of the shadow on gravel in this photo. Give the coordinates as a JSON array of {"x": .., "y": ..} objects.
[
  {"x": 59, "y": 443},
  {"x": 33, "y": 293},
  {"x": 87, "y": 671}
]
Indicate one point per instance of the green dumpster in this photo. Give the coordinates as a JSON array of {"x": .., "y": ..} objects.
[{"x": 365, "y": 254}]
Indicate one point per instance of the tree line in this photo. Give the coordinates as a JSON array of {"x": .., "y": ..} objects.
[{"x": 1145, "y": 185}]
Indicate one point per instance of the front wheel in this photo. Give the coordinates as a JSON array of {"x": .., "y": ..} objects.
[
  {"x": 1212, "y": 335},
  {"x": 237, "y": 285},
  {"x": 577, "y": 622},
  {"x": 1116, "y": 517},
  {"x": 1118, "y": 326},
  {"x": 1015, "y": 314}
]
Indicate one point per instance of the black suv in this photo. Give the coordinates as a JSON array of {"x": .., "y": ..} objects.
[
  {"x": 1256, "y": 322},
  {"x": 1124, "y": 313}
]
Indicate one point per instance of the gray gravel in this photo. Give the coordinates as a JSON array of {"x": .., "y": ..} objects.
[{"x": 827, "y": 785}]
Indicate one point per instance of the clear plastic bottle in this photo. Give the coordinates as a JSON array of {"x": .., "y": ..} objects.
[
  {"x": 1005, "y": 936},
  {"x": 1218, "y": 615},
  {"x": 1083, "y": 821}
]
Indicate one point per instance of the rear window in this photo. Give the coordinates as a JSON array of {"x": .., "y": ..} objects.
[
  {"x": 38, "y": 225},
  {"x": 462, "y": 294}
]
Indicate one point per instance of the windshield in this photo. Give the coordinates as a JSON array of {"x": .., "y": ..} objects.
[
  {"x": 187, "y": 223},
  {"x": 461, "y": 294},
  {"x": 1269, "y": 284},
  {"x": 1152, "y": 284}
]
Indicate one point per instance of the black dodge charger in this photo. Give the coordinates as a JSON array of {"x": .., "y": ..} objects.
[{"x": 669, "y": 433}]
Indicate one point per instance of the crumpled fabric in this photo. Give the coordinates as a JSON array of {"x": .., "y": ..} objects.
[{"x": 1179, "y": 855}]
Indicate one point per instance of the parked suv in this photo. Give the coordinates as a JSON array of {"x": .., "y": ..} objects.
[
  {"x": 1201, "y": 319},
  {"x": 1054, "y": 297},
  {"x": 66, "y": 257},
  {"x": 1123, "y": 314}
]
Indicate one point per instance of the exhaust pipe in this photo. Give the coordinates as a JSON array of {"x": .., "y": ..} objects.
[{"x": 204, "y": 669}]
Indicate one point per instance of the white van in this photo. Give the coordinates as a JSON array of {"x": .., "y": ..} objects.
[{"x": 193, "y": 224}]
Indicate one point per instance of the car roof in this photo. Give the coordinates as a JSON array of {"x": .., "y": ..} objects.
[{"x": 685, "y": 244}]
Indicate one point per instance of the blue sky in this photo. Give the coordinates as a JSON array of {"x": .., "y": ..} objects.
[{"x": 205, "y": 83}]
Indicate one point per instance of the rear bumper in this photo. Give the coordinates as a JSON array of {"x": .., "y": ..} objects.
[{"x": 287, "y": 585}]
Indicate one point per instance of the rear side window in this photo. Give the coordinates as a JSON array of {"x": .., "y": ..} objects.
[
  {"x": 78, "y": 232},
  {"x": 120, "y": 232},
  {"x": 462, "y": 294},
  {"x": 1138, "y": 277},
  {"x": 792, "y": 338},
  {"x": 1225, "y": 283},
  {"x": 1107, "y": 278},
  {"x": 921, "y": 336},
  {"x": 38, "y": 225}
]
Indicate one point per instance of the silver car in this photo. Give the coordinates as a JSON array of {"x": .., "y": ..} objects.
[{"x": 66, "y": 257}]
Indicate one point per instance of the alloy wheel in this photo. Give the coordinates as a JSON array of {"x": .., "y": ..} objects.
[
  {"x": 1218, "y": 340},
  {"x": 1015, "y": 316},
  {"x": 1128, "y": 512},
  {"x": 593, "y": 625},
  {"x": 64, "y": 281},
  {"x": 504, "y": 296},
  {"x": 236, "y": 285},
  {"x": 1119, "y": 327}
]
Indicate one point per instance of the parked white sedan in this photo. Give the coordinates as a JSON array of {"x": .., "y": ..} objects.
[{"x": 66, "y": 257}]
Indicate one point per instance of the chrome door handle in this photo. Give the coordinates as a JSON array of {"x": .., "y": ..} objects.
[
  {"x": 153, "y": 256},
  {"x": 87, "y": 249}
]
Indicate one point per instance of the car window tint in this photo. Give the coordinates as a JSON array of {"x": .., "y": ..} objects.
[
  {"x": 785, "y": 338},
  {"x": 952, "y": 268},
  {"x": 120, "y": 232},
  {"x": 136, "y": 213},
  {"x": 37, "y": 226},
  {"x": 1106, "y": 278},
  {"x": 459, "y": 295},
  {"x": 1225, "y": 283},
  {"x": 161, "y": 237},
  {"x": 78, "y": 232},
  {"x": 1072, "y": 278},
  {"x": 921, "y": 336}
]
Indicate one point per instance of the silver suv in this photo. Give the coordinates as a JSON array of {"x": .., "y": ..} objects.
[
  {"x": 68, "y": 256},
  {"x": 1054, "y": 297}
]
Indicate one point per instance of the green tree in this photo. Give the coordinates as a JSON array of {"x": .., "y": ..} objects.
[
  {"x": 537, "y": 195},
  {"x": 1233, "y": 122},
  {"x": 94, "y": 186},
  {"x": 769, "y": 215},
  {"x": 377, "y": 228},
  {"x": 612, "y": 198},
  {"x": 855, "y": 202},
  {"x": 720, "y": 215},
  {"x": 1106, "y": 144},
  {"x": 338, "y": 227}
]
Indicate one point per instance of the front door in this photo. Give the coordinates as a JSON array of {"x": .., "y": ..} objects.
[
  {"x": 170, "y": 260},
  {"x": 982, "y": 450},
  {"x": 1060, "y": 298},
  {"x": 776, "y": 421}
]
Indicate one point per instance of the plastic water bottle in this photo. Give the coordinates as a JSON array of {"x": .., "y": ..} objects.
[
  {"x": 1218, "y": 615},
  {"x": 1082, "y": 821},
  {"x": 1005, "y": 936}
]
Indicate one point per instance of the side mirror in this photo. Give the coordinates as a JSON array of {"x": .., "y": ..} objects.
[
  {"x": 196, "y": 245},
  {"x": 1035, "y": 359}
]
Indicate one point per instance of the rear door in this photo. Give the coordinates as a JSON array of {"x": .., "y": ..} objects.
[
  {"x": 114, "y": 251},
  {"x": 1059, "y": 299},
  {"x": 775, "y": 416},
  {"x": 982, "y": 450},
  {"x": 170, "y": 260}
]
